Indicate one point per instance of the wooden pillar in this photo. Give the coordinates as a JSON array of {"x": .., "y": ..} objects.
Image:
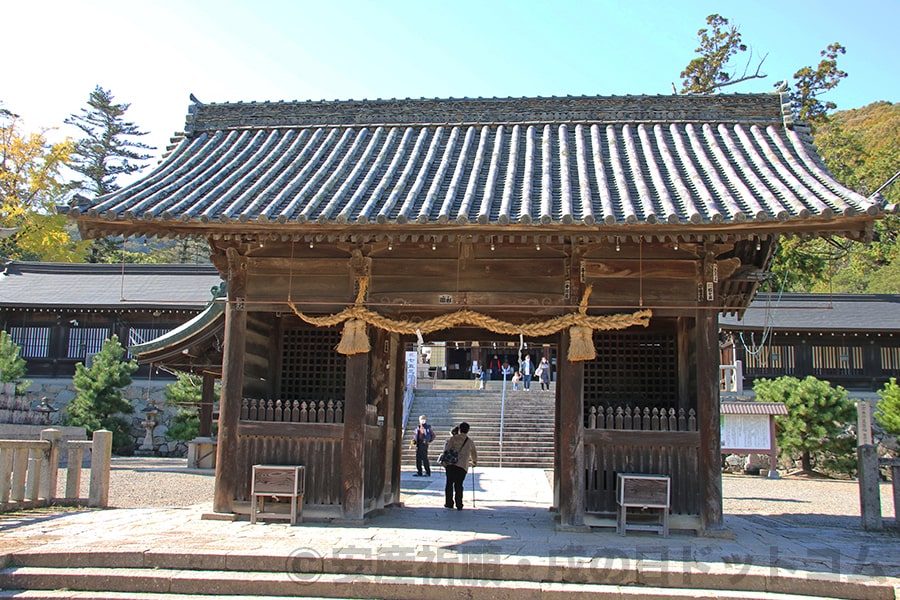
[
  {"x": 232, "y": 384},
  {"x": 685, "y": 377},
  {"x": 207, "y": 398},
  {"x": 773, "y": 453},
  {"x": 353, "y": 456},
  {"x": 571, "y": 438},
  {"x": 708, "y": 419},
  {"x": 381, "y": 394},
  {"x": 394, "y": 422}
]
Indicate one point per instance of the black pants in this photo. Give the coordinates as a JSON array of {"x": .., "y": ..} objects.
[
  {"x": 454, "y": 486},
  {"x": 422, "y": 459}
]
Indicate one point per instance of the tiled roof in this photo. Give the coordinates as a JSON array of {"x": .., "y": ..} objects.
[
  {"x": 674, "y": 161},
  {"x": 105, "y": 286},
  {"x": 819, "y": 312},
  {"x": 170, "y": 347},
  {"x": 753, "y": 408}
]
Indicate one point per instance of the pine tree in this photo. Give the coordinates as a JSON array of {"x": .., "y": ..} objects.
[
  {"x": 12, "y": 366},
  {"x": 185, "y": 393},
  {"x": 109, "y": 149},
  {"x": 888, "y": 415},
  {"x": 817, "y": 414},
  {"x": 99, "y": 401}
]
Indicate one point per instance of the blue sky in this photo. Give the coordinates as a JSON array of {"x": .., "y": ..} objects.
[{"x": 154, "y": 53}]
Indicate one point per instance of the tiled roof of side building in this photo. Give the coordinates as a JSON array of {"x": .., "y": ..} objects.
[
  {"x": 105, "y": 286},
  {"x": 819, "y": 312},
  {"x": 649, "y": 161}
]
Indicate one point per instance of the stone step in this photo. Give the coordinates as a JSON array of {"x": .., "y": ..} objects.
[
  {"x": 528, "y": 423},
  {"x": 415, "y": 582}
]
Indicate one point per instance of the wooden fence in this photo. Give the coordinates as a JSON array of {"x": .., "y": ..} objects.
[
  {"x": 292, "y": 411},
  {"x": 29, "y": 471},
  {"x": 641, "y": 419},
  {"x": 626, "y": 439}
]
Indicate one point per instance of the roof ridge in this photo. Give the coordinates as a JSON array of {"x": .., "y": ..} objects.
[{"x": 759, "y": 108}]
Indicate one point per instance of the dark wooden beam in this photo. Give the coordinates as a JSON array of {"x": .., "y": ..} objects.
[
  {"x": 571, "y": 442},
  {"x": 708, "y": 419},
  {"x": 232, "y": 386},
  {"x": 353, "y": 447},
  {"x": 207, "y": 398}
]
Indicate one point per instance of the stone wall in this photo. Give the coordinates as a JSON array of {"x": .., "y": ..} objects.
[{"x": 59, "y": 392}]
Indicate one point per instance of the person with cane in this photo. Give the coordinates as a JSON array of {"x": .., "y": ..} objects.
[{"x": 459, "y": 452}]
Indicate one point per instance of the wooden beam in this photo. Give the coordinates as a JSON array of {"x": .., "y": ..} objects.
[
  {"x": 708, "y": 419},
  {"x": 287, "y": 430},
  {"x": 571, "y": 441},
  {"x": 232, "y": 386},
  {"x": 394, "y": 417},
  {"x": 207, "y": 398},
  {"x": 631, "y": 268},
  {"x": 353, "y": 448},
  {"x": 649, "y": 439}
]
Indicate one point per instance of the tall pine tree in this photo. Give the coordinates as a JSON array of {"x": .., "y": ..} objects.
[{"x": 110, "y": 148}]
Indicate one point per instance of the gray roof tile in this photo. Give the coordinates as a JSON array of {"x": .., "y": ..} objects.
[
  {"x": 691, "y": 160},
  {"x": 105, "y": 286},
  {"x": 819, "y": 312}
]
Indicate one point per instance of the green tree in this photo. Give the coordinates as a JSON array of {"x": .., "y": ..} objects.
[
  {"x": 30, "y": 186},
  {"x": 817, "y": 415},
  {"x": 803, "y": 263},
  {"x": 811, "y": 83},
  {"x": 12, "y": 366},
  {"x": 888, "y": 413},
  {"x": 99, "y": 402},
  {"x": 110, "y": 147},
  {"x": 185, "y": 393},
  {"x": 711, "y": 70}
]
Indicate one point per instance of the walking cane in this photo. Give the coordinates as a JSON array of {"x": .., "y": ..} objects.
[{"x": 473, "y": 486}]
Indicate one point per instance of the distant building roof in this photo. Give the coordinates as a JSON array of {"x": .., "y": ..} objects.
[
  {"x": 106, "y": 286},
  {"x": 819, "y": 312},
  {"x": 671, "y": 164},
  {"x": 753, "y": 408}
]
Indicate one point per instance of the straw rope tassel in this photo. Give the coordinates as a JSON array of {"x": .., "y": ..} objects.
[
  {"x": 355, "y": 337},
  {"x": 581, "y": 338}
]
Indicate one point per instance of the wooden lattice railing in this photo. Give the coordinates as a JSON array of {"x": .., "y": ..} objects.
[
  {"x": 292, "y": 411},
  {"x": 643, "y": 419}
]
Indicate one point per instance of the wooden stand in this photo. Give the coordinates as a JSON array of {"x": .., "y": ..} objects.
[
  {"x": 278, "y": 481},
  {"x": 635, "y": 490}
]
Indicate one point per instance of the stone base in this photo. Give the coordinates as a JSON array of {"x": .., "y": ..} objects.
[{"x": 201, "y": 453}]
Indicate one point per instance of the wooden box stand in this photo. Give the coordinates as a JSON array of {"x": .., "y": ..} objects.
[
  {"x": 281, "y": 481},
  {"x": 634, "y": 490}
]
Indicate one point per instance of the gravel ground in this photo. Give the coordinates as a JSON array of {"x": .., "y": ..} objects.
[{"x": 136, "y": 483}]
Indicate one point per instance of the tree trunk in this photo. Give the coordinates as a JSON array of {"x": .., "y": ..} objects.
[{"x": 805, "y": 461}]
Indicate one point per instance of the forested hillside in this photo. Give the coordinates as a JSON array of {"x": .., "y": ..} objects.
[{"x": 862, "y": 148}]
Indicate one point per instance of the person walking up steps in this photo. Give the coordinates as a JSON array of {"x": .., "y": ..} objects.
[
  {"x": 424, "y": 435},
  {"x": 459, "y": 452}
]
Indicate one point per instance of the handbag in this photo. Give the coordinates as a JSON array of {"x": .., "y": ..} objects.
[{"x": 451, "y": 456}]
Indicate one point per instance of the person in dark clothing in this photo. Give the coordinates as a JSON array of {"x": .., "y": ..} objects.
[
  {"x": 424, "y": 435},
  {"x": 464, "y": 448},
  {"x": 494, "y": 367}
]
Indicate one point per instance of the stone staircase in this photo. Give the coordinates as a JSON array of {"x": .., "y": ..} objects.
[
  {"x": 161, "y": 575},
  {"x": 527, "y": 423}
]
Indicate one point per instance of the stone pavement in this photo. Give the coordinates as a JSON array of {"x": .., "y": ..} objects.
[{"x": 506, "y": 527}]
